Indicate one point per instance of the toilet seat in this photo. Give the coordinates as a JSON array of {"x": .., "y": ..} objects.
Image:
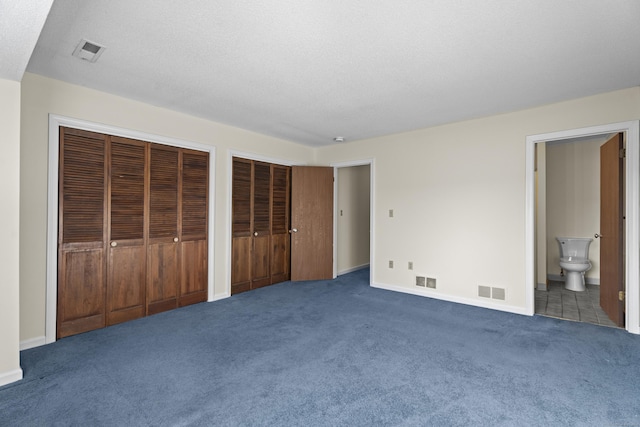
[{"x": 574, "y": 260}]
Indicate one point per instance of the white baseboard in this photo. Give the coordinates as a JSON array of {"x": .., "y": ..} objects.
[
  {"x": 451, "y": 298},
  {"x": 587, "y": 280},
  {"x": 352, "y": 269},
  {"x": 32, "y": 342},
  {"x": 10, "y": 376}
]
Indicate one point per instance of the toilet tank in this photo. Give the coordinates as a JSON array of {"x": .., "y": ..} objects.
[{"x": 575, "y": 247}]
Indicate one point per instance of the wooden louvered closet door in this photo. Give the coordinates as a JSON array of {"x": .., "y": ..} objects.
[
  {"x": 241, "y": 225},
  {"x": 260, "y": 224},
  {"x": 261, "y": 260},
  {"x": 133, "y": 229},
  {"x": 127, "y": 249},
  {"x": 163, "y": 251},
  {"x": 194, "y": 199},
  {"x": 280, "y": 223},
  {"x": 81, "y": 229}
]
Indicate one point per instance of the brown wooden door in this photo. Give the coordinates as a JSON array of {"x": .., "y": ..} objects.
[
  {"x": 260, "y": 224},
  {"x": 312, "y": 223},
  {"x": 127, "y": 247},
  {"x": 611, "y": 228},
  {"x": 81, "y": 245},
  {"x": 194, "y": 209},
  {"x": 133, "y": 229},
  {"x": 261, "y": 253},
  {"x": 163, "y": 251},
  {"x": 241, "y": 225},
  {"x": 280, "y": 214}
]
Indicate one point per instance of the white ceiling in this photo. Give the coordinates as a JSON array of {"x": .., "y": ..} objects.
[
  {"x": 310, "y": 70},
  {"x": 20, "y": 26}
]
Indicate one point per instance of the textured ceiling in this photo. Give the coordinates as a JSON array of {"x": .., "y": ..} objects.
[
  {"x": 310, "y": 70},
  {"x": 20, "y": 26}
]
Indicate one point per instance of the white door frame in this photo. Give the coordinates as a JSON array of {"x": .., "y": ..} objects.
[
  {"x": 55, "y": 122},
  {"x": 372, "y": 245},
  {"x": 632, "y": 212}
]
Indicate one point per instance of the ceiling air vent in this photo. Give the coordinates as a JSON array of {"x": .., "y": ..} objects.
[{"x": 88, "y": 51}]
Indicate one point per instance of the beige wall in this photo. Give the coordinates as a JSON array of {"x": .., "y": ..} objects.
[
  {"x": 457, "y": 191},
  {"x": 458, "y": 195},
  {"x": 541, "y": 216},
  {"x": 573, "y": 199},
  {"x": 353, "y": 217},
  {"x": 42, "y": 96},
  {"x": 10, "y": 219}
]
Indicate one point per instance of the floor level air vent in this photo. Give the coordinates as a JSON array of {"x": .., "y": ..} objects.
[{"x": 484, "y": 291}]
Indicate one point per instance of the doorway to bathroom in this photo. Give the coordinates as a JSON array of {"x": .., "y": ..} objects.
[
  {"x": 566, "y": 198},
  {"x": 579, "y": 176}
]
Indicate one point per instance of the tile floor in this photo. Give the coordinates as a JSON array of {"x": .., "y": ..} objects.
[{"x": 577, "y": 306}]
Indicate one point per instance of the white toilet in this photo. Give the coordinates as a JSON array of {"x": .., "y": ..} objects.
[{"x": 574, "y": 260}]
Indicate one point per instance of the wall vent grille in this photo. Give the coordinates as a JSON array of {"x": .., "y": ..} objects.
[{"x": 484, "y": 291}]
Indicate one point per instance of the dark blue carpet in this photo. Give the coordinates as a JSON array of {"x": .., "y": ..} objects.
[{"x": 331, "y": 353}]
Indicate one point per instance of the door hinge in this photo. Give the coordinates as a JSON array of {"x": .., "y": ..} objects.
[
  {"x": 623, "y": 153},
  {"x": 622, "y": 295}
]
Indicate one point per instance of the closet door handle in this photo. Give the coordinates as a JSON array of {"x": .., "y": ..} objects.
[
  {"x": 293, "y": 230},
  {"x": 255, "y": 233},
  {"x": 114, "y": 244},
  {"x": 175, "y": 239}
]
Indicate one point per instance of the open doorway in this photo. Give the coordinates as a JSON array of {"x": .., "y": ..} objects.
[
  {"x": 569, "y": 210},
  {"x": 630, "y": 211},
  {"x": 353, "y": 203}
]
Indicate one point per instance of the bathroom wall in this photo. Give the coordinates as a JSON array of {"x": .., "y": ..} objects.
[
  {"x": 541, "y": 216},
  {"x": 573, "y": 198},
  {"x": 353, "y": 218}
]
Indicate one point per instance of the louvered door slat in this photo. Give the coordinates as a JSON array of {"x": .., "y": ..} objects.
[
  {"x": 241, "y": 198},
  {"x": 163, "y": 199},
  {"x": 280, "y": 209},
  {"x": 261, "y": 198},
  {"x": 195, "y": 174},
  {"x": 83, "y": 187},
  {"x": 127, "y": 190}
]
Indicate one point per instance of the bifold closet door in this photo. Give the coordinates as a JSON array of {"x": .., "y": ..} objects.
[
  {"x": 193, "y": 210},
  {"x": 261, "y": 241},
  {"x": 260, "y": 224},
  {"x": 81, "y": 230},
  {"x": 132, "y": 232},
  {"x": 280, "y": 214},
  {"x": 242, "y": 225},
  {"x": 163, "y": 250},
  {"x": 127, "y": 250}
]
